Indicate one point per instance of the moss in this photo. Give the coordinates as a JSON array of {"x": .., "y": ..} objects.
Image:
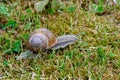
[{"x": 94, "y": 56}]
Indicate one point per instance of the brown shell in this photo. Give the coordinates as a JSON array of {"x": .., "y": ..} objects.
[{"x": 50, "y": 37}]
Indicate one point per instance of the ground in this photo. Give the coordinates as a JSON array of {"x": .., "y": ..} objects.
[{"x": 95, "y": 56}]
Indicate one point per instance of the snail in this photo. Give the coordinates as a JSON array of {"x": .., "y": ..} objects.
[{"x": 43, "y": 39}]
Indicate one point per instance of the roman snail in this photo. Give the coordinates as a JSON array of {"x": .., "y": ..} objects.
[{"x": 43, "y": 39}]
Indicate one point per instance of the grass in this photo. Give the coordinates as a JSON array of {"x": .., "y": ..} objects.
[{"x": 95, "y": 56}]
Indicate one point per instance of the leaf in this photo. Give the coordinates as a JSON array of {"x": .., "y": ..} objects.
[
  {"x": 26, "y": 36},
  {"x": 71, "y": 9},
  {"x": 4, "y": 10},
  {"x": 16, "y": 46},
  {"x": 57, "y": 4},
  {"x": 97, "y": 8},
  {"x": 10, "y": 23},
  {"x": 117, "y": 1},
  {"x": 5, "y": 63},
  {"x": 112, "y": 54},
  {"x": 28, "y": 11},
  {"x": 101, "y": 53},
  {"x": 39, "y": 6},
  {"x": 28, "y": 26},
  {"x": 83, "y": 33},
  {"x": 51, "y": 55},
  {"x": 61, "y": 65},
  {"x": 84, "y": 44},
  {"x": 50, "y": 11}
]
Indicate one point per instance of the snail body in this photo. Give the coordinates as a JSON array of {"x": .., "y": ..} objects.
[{"x": 63, "y": 41}]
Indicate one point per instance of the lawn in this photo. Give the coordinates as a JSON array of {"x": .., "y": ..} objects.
[{"x": 95, "y": 56}]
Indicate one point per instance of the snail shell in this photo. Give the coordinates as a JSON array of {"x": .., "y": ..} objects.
[{"x": 41, "y": 39}]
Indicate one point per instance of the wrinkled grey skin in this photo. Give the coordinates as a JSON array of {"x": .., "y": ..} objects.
[{"x": 65, "y": 40}]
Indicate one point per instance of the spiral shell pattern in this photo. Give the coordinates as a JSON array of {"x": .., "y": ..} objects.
[
  {"x": 38, "y": 40},
  {"x": 41, "y": 39}
]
